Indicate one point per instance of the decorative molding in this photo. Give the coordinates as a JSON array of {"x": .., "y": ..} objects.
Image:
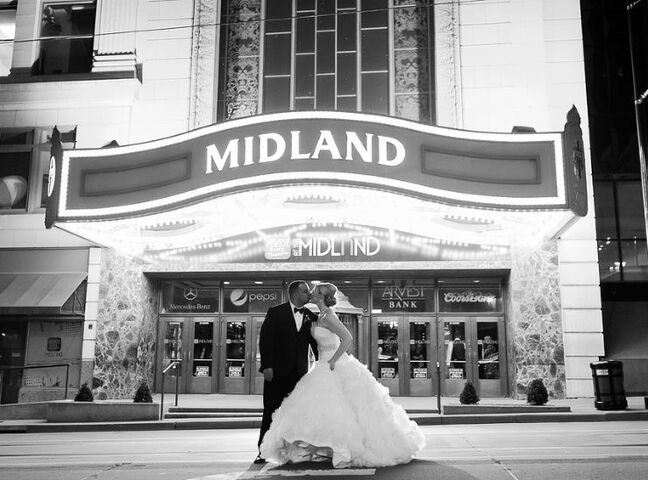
[
  {"x": 412, "y": 61},
  {"x": 204, "y": 49},
  {"x": 242, "y": 59},
  {"x": 448, "y": 64}
]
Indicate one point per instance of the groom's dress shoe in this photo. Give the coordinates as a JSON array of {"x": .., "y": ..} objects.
[{"x": 259, "y": 459}]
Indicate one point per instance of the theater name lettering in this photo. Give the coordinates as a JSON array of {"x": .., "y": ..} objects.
[
  {"x": 367, "y": 246},
  {"x": 320, "y": 246},
  {"x": 270, "y": 147}
]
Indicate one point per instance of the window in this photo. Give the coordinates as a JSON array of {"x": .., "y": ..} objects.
[
  {"x": 620, "y": 231},
  {"x": 66, "y": 34},
  {"x": 24, "y": 165},
  {"x": 373, "y": 56},
  {"x": 16, "y": 151},
  {"x": 7, "y": 34}
]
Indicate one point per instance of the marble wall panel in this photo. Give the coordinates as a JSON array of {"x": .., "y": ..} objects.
[
  {"x": 126, "y": 328},
  {"x": 534, "y": 321}
]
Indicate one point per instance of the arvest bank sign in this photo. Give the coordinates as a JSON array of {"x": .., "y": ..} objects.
[{"x": 510, "y": 171}]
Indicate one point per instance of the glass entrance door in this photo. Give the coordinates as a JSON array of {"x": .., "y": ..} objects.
[
  {"x": 405, "y": 354},
  {"x": 201, "y": 356},
  {"x": 190, "y": 341},
  {"x": 421, "y": 357},
  {"x": 472, "y": 353},
  {"x": 173, "y": 348},
  {"x": 388, "y": 359},
  {"x": 240, "y": 360}
]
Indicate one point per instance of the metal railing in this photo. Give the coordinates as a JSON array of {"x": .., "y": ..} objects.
[
  {"x": 49, "y": 365},
  {"x": 171, "y": 365}
]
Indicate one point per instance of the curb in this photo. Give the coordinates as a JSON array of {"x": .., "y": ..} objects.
[{"x": 255, "y": 422}]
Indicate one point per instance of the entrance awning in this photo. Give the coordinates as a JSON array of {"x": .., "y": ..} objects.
[
  {"x": 40, "y": 281},
  {"x": 37, "y": 293}
]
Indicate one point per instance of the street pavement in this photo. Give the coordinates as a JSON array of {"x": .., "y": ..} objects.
[
  {"x": 537, "y": 451},
  {"x": 244, "y": 411}
]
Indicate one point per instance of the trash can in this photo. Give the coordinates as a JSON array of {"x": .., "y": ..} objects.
[{"x": 608, "y": 385}]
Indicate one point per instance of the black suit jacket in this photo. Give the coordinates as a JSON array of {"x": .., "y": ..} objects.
[{"x": 282, "y": 347}]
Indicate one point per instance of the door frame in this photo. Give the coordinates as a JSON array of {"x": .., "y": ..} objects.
[
  {"x": 404, "y": 385},
  {"x": 252, "y": 380},
  {"x": 453, "y": 388},
  {"x": 169, "y": 378}
]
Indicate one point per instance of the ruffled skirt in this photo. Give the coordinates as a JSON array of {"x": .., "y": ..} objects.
[{"x": 343, "y": 415}]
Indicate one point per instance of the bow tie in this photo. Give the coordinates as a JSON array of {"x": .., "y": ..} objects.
[{"x": 300, "y": 310}]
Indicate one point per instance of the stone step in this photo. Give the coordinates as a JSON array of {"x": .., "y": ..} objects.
[{"x": 212, "y": 415}]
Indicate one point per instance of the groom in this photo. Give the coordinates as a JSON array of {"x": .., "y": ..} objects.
[{"x": 283, "y": 344}]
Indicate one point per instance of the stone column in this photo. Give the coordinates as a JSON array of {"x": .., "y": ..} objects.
[
  {"x": 90, "y": 320},
  {"x": 114, "y": 42}
]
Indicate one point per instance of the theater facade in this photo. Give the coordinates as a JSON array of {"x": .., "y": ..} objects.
[
  {"x": 441, "y": 242},
  {"x": 168, "y": 168}
]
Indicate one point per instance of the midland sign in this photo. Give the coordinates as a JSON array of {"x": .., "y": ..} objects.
[{"x": 487, "y": 170}]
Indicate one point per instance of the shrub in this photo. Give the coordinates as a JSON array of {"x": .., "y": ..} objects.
[
  {"x": 468, "y": 395},
  {"x": 537, "y": 393},
  {"x": 85, "y": 394},
  {"x": 143, "y": 394}
]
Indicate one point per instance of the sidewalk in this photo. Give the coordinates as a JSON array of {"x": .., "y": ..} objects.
[{"x": 243, "y": 411}]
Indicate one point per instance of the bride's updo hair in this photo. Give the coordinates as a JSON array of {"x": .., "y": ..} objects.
[{"x": 328, "y": 291}]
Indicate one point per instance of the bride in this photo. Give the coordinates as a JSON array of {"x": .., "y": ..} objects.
[{"x": 338, "y": 411}]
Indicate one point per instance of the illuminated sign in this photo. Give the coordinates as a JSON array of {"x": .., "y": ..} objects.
[
  {"x": 509, "y": 171},
  {"x": 348, "y": 243},
  {"x": 250, "y": 299},
  {"x": 409, "y": 298},
  {"x": 468, "y": 296},
  {"x": 457, "y": 299}
]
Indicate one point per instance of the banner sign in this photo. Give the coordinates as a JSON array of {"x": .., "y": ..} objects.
[
  {"x": 419, "y": 373},
  {"x": 479, "y": 299},
  {"x": 179, "y": 297},
  {"x": 235, "y": 372},
  {"x": 511, "y": 171}
]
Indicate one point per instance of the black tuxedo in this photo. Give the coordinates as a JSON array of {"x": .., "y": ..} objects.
[{"x": 285, "y": 350}]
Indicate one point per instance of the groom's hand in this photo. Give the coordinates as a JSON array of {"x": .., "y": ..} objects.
[{"x": 268, "y": 374}]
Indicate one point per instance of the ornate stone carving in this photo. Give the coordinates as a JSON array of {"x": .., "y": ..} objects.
[
  {"x": 411, "y": 60},
  {"x": 243, "y": 43},
  {"x": 203, "y": 61},
  {"x": 448, "y": 64}
]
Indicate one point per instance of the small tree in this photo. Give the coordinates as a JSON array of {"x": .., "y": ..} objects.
[
  {"x": 537, "y": 393},
  {"x": 468, "y": 395},
  {"x": 143, "y": 394},
  {"x": 85, "y": 394}
]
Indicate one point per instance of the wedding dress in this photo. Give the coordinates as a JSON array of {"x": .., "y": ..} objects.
[{"x": 343, "y": 415}]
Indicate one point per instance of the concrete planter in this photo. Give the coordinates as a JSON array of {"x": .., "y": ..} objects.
[
  {"x": 498, "y": 409},
  {"x": 101, "y": 411}
]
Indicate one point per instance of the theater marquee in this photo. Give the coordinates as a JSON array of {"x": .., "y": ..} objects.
[{"x": 347, "y": 168}]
